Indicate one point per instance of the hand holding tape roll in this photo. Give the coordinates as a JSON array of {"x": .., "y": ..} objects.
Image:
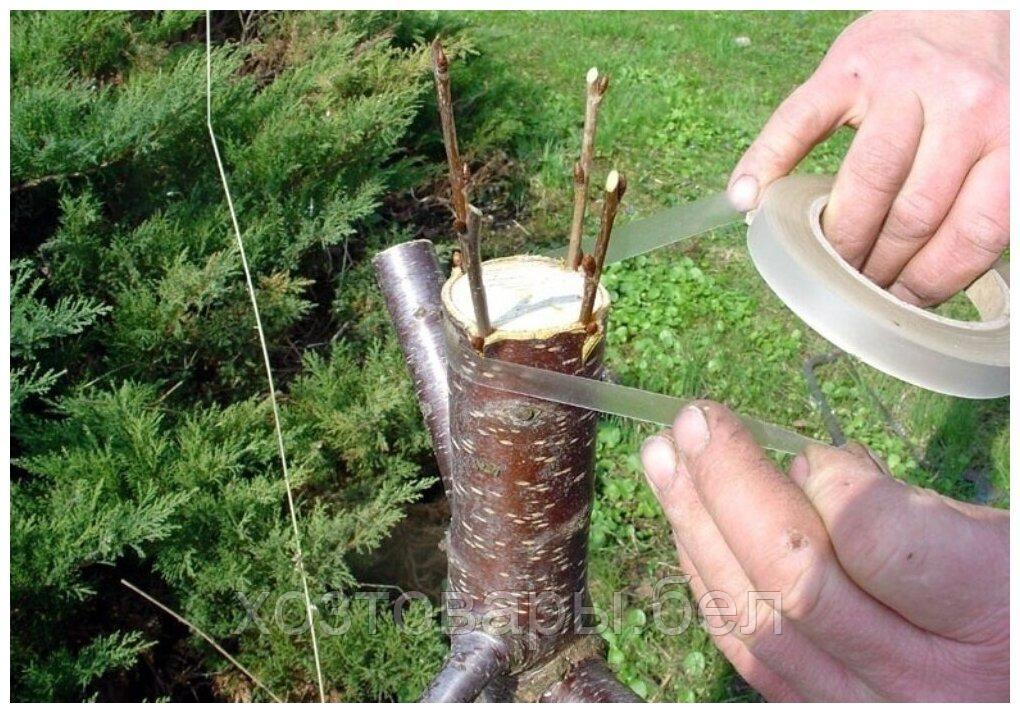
[
  {"x": 969, "y": 359},
  {"x": 786, "y": 244}
]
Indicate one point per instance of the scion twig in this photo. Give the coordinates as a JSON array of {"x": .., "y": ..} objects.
[
  {"x": 616, "y": 186},
  {"x": 458, "y": 170},
  {"x": 471, "y": 263},
  {"x": 596, "y": 88}
]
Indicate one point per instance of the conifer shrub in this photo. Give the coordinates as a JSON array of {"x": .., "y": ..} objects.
[{"x": 141, "y": 430}]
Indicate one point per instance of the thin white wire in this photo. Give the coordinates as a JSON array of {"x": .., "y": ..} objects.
[{"x": 265, "y": 356}]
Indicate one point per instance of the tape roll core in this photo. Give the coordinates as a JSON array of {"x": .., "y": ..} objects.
[{"x": 790, "y": 251}]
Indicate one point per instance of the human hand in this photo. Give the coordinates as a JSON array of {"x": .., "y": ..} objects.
[
  {"x": 921, "y": 200},
  {"x": 886, "y": 591}
]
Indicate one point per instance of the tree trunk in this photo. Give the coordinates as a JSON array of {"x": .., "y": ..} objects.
[
  {"x": 523, "y": 468},
  {"x": 520, "y": 488}
]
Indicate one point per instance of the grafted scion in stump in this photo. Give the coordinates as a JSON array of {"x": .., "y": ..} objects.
[
  {"x": 523, "y": 468},
  {"x": 518, "y": 471}
]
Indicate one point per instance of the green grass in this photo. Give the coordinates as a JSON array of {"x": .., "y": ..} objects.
[{"x": 685, "y": 100}]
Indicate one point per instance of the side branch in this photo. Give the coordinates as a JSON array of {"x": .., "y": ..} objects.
[
  {"x": 589, "y": 681},
  {"x": 475, "y": 660},
  {"x": 409, "y": 277}
]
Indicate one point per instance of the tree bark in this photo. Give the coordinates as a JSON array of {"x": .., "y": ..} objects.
[
  {"x": 520, "y": 485},
  {"x": 523, "y": 477},
  {"x": 475, "y": 660},
  {"x": 589, "y": 681},
  {"x": 409, "y": 277}
]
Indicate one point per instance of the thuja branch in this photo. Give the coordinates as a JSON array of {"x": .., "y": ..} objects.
[
  {"x": 616, "y": 185},
  {"x": 458, "y": 170},
  {"x": 596, "y": 89}
]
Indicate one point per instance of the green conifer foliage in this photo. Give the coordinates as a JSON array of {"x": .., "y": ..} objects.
[{"x": 143, "y": 437}]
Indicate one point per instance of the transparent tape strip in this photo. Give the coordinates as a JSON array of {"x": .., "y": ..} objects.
[
  {"x": 664, "y": 228},
  {"x": 634, "y": 238},
  {"x": 597, "y": 395}
]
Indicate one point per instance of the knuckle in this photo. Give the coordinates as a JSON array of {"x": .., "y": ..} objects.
[
  {"x": 914, "y": 217},
  {"x": 800, "y": 116},
  {"x": 798, "y": 573},
  {"x": 752, "y": 626},
  {"x": 720, "y": 611},
  {"x": 767, "y": 150},
  {"x": 981, "y": 92},
  {"x": 874, "y": 543},
  {"x": 877, "y": 164},
  {"x": 870, "y": 555},
  {"x": 986, "y": 233},
  {"x": 920, "y": 284},
  {"x": 802, "y": 597}
]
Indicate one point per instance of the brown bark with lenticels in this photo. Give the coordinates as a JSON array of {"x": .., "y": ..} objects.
[
  {"x": 589, "y": 681},
  {"x": 522, "y": 487},
  {"x": 409, "y": 277}
]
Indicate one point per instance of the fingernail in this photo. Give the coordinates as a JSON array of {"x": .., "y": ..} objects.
[
  {"x": 691, "y": 431},
  {"x": 659, "y": 461},
  {"x": 800, "y": 469},
  {"x": 743, "y": 193}
]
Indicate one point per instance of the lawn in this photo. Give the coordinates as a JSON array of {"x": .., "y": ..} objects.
[{"x": 686, "y": 97}]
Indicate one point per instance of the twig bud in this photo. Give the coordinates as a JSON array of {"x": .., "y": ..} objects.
[
  {"x": 578, "y": 173},
  {"x": 596, "y": 87}
]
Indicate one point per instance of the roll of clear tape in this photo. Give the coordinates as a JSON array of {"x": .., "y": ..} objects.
[{"x": 960, "y": 358}]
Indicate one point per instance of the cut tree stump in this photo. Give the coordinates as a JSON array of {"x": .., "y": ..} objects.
[{"x": 521, "y": 482}]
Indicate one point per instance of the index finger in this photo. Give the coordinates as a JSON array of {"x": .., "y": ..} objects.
[
  {"x": 813, "y": 111},
  {"x": 782, "y": 546}
]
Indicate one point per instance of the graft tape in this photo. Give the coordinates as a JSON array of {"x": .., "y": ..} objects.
[
  {"x": 596, "y": 395},
  {"x": 664, "y": 228},
  {"x": 960, "y": 358},
  {"x": 785, "y": 240}
]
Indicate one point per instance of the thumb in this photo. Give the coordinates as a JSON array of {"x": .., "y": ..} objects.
[
  {"x": 940, "y": 564},
  {"x": 812, "y": 112}
]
